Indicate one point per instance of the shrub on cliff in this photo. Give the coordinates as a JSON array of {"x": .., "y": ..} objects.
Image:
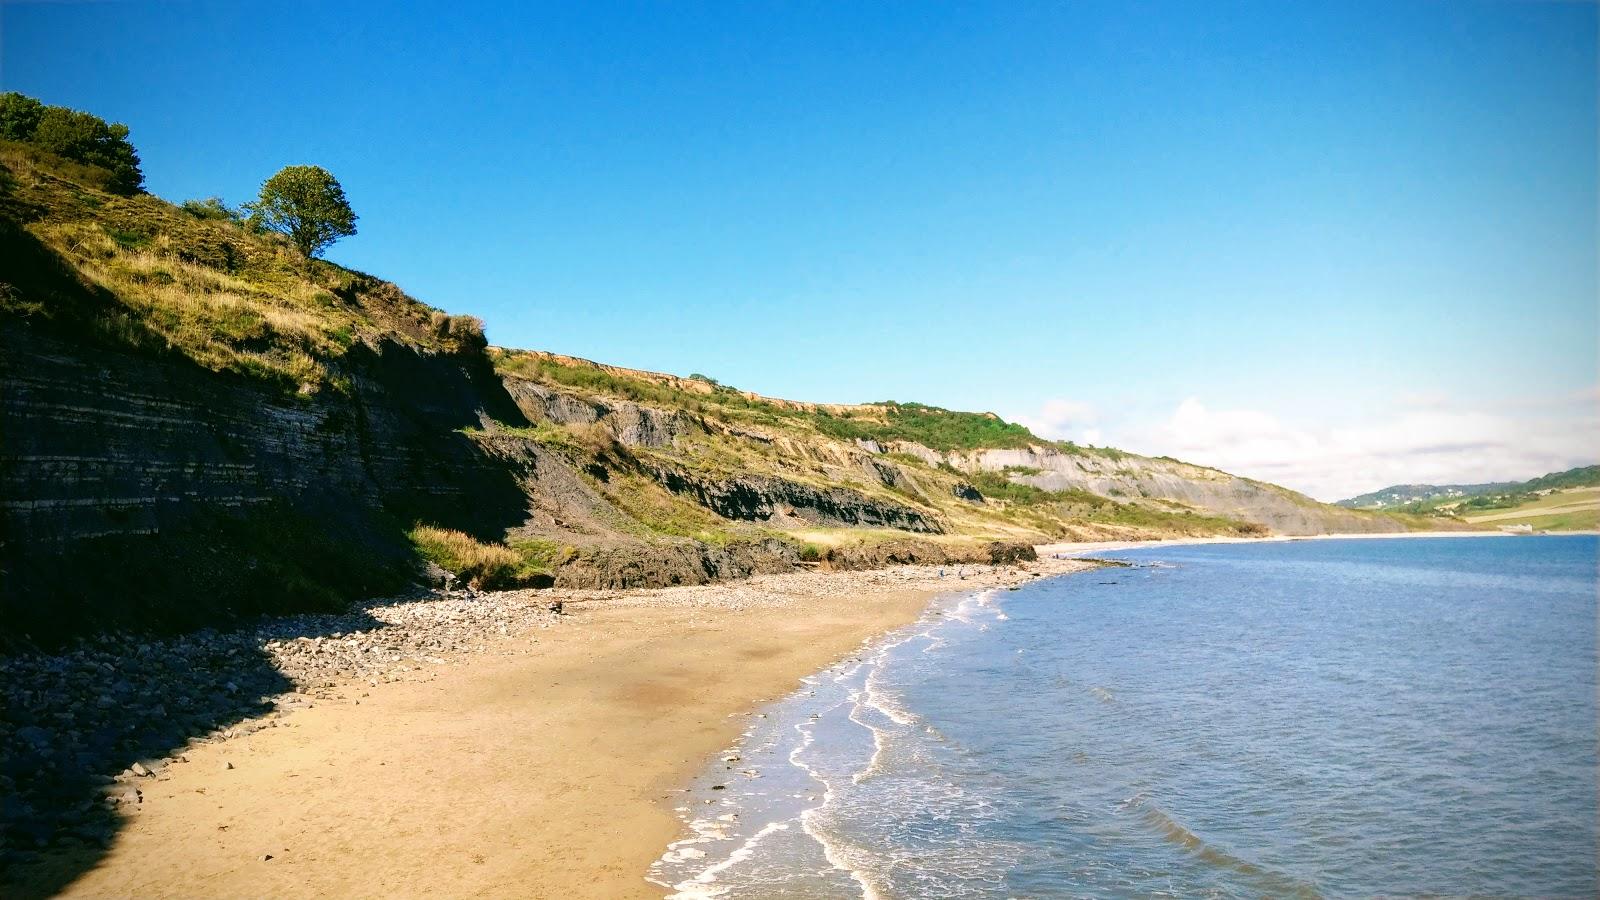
[
  {"x": 481, "y": 565},
  {"x": 214, "y": 210},
  {"x": 307, "y": 204},
  {"x": 77, "y": 136},
  {"x": 460, "y": 332}
]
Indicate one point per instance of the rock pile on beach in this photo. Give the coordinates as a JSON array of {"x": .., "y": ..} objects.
[{"x": 787, "y": 588}]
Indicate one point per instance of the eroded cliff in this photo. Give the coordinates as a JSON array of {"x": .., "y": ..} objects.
[{"x": 197, "y": 424}]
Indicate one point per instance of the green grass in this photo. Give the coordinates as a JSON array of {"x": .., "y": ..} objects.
[
  {"x": 1548, "y": 512},
  {"x": 157, "y": 278},
  {"x": 996, "y": 485},
  {"x": 930, "y": 426},
  {"x": 540, "y": 555},
  {"x": 660, "y": 513},
  {"x": 484, "y": 565},
  {"x": 1580, "y": 520}
]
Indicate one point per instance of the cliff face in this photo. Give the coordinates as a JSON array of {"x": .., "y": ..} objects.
[
  {"x": 1131, "y": 476},
  {"x": 198, "y": 424},
  {"x": 125, "y": 480}
]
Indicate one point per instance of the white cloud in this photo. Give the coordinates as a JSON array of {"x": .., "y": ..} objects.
[
  {"x": 1429, "y": 441},
  {"x": 1064, "y": 420}
]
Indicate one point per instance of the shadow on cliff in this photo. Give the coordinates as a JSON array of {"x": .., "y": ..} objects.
[
  {"x": 139, "y": 489},
  {"x": 76, "y": 720},
  {"x": 142, "y": 491}
]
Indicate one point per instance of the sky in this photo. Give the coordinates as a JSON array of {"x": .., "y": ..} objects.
[{"x": 1335, "y": 246}]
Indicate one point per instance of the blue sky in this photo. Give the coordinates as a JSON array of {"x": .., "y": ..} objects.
[{"x": 1334, "y": 246}]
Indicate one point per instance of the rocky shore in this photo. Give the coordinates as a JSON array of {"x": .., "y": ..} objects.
[{"x": 85, "y": 726}]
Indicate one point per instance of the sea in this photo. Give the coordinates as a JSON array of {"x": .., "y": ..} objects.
[{"x": 1338, "y": 718}]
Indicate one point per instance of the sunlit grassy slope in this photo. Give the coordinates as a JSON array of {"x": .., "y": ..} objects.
[{"x": 1576, "y": 509}]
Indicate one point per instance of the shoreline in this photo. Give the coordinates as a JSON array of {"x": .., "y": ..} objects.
[{"x": 537, "y": 762}]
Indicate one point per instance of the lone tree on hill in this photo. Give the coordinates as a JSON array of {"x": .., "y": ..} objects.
[{"x": 307, "y": 204}]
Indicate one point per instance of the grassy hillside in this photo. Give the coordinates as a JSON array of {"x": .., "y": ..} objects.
[
  {"x": 1564, "y": 509},
  {"x": 175, "y": 373},
  {"x": 887, "y": 422},
  {"x": 1559, "y": 501},
  {"x": 736, "y": 434},
  {"x": 159, "y": 278}
]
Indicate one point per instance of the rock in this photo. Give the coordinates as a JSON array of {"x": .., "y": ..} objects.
[
  {"x": 266, "y": 856},
  {"x": 1001, "y": 553},
  {"x": 140, "y": 769},
  {"x": 226, "y": 765},
  {"x": 124, "y": 796},
  {"x": 34, "y": 735},
  {"x": 761, "y": 498}
]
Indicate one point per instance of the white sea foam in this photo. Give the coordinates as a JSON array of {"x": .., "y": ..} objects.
[
  {"x": 704, "y": 884},
  {"x": 709, "y": 862}
]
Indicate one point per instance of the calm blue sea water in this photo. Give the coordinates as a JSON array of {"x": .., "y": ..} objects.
[{"x": 1312, "y": 718}]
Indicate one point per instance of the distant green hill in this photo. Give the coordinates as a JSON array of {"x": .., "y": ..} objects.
[
  {"x": 1463, "y": 499},
  {"x": 1397, "y": 495}
]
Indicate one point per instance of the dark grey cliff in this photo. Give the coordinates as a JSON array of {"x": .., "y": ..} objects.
[
  {"x": 144, "y": 490},
  {"x": 763, "y": 498}
]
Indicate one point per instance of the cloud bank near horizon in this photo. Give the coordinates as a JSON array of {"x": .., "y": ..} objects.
[{"x": 1422, "y": 439}]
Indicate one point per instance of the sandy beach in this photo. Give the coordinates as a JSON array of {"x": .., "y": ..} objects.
[
  {"x": 538, "y": 769},
  {"x": 529, "y": 756}
]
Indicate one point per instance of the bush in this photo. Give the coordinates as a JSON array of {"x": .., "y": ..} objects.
[
  {"x": 213, "y": 209},
  {"x": 487, "y": 566},
  {"x": 930, "y": 426},
  {"x": 19, "y": 116},
  {"x": 459, "y": 332},
  {"x": 77, "y": 136}
]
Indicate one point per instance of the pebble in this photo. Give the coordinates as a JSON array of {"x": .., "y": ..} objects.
[
  {"x": 110, "y": 707},
  {"x": 122, "y": 703}
]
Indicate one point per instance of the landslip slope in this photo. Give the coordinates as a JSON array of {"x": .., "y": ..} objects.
[{"x": 198, "y": 424}]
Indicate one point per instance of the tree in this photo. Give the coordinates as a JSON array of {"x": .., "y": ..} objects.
[
  {"x": 307, "y": 204},
  {"x": 19, "y": 116},
  {"x": 73, "y": 135}
]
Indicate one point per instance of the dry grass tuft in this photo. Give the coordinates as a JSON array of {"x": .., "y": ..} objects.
[
  {"x": 479, "y": 564},
  {"x": 211, "y": 288}
]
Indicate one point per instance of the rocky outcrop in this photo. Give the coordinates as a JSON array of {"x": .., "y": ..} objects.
[
  {"x": 1127, "y": 476},
  {"x": 633, "y": 424},
  {"x": 686, "y": 562},
  {"x": 963, "y": 491},
  {"x": 928, "y": 553},
  {"x": 761, "y": 498},
  {"x": 143, "y": 490}
]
